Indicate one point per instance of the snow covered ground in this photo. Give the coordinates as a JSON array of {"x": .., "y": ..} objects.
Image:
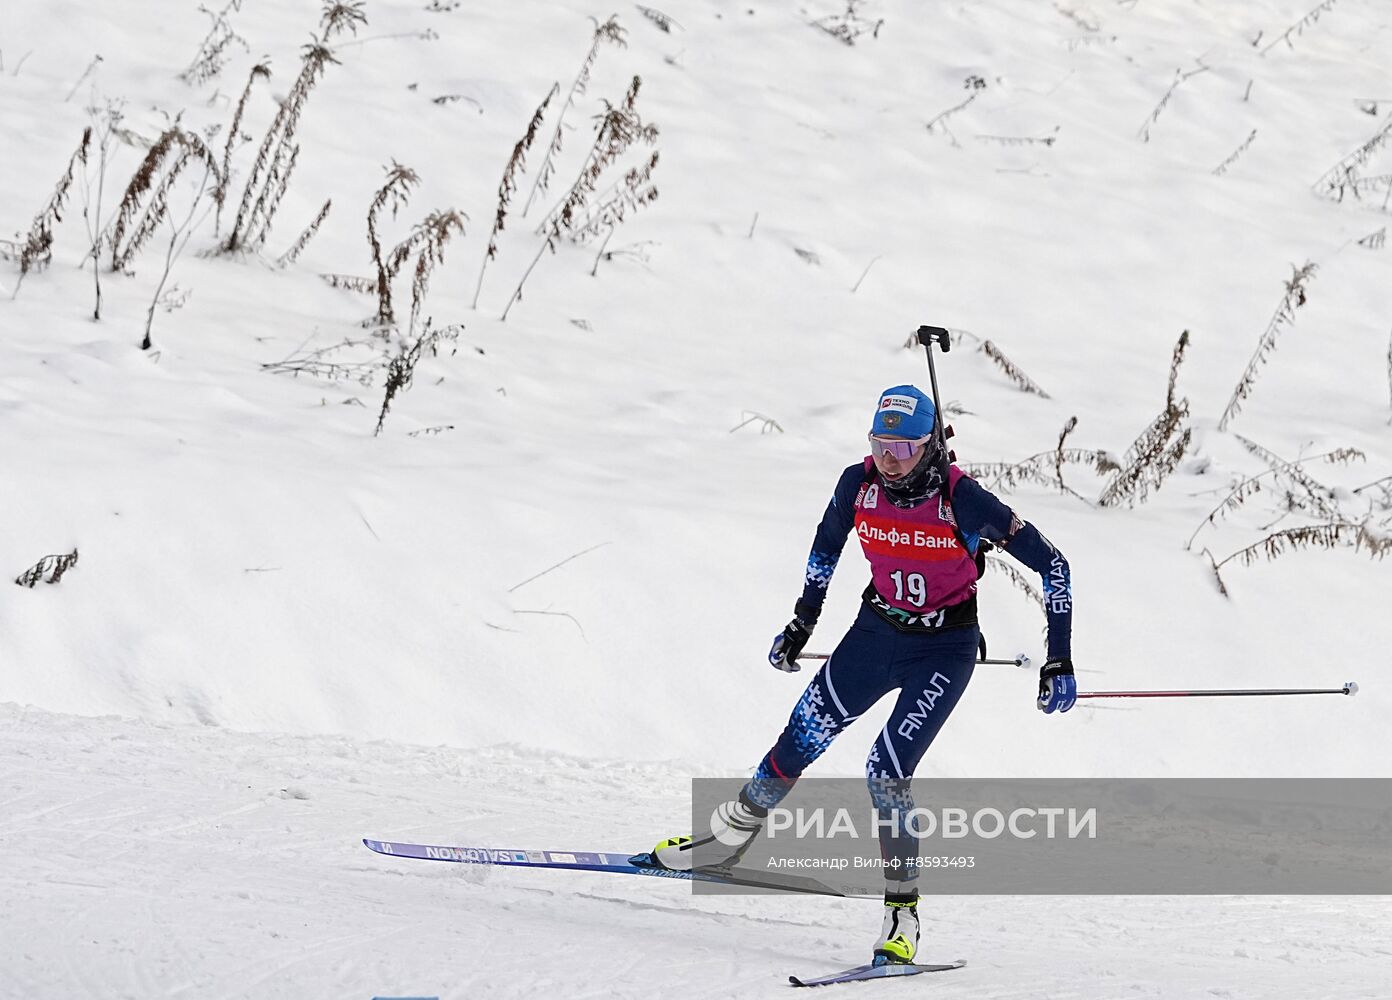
[
  {"x": 561, "y": 562},
  {"x": 148, "y": 859}
]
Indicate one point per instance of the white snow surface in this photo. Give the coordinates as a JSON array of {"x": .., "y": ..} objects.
[{"x": 538, "y": 603}]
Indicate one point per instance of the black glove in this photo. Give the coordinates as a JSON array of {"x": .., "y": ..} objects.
[
  {"x": 789, "y": 643},
  {"x": 1057, "y": 688}
]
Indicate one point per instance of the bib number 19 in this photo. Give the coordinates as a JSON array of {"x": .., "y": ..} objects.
[{"x": 917, "y": 587}]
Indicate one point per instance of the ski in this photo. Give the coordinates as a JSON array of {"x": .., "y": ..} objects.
[
  {"x": 591, "y": 861},
  {"x": 862, "y": 972}
]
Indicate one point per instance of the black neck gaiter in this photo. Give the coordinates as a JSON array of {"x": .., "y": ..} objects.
[{"x": 922, "y": 481}]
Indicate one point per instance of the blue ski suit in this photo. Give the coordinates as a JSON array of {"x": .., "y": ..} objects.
[{"x": 928, "y": 656}]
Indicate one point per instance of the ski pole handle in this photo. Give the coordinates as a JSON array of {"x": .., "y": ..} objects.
[
  {"x": 1350, "y": 688},
  {"x": 927, "y": 336},
  {"x": 931, "y": 334}
]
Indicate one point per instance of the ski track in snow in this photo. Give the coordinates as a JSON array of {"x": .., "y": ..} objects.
[{"x": 141, "y": 860}]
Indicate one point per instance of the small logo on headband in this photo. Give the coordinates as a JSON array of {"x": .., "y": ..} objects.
[{"x": 905, "y": 404}]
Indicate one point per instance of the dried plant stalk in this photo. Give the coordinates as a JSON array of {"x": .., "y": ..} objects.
[
  {"x": 1298, "y": 28},
  {"x": 1370, "y": 186},
  {"x": 352, "y": 282},
  {"x": 1357, "y": 535},
  {"x": 617, "y": 129},
  {"x": 849, "y": 25},
  {"x": 1157, "y": 451},
  {"x": 163, "y": 164},
  {"x": 1309, "y": 495},
  {"x": 401, "y": 369},
  {"x": 1019, "y": 140},
  {"x": 270, "y": 173},
  {"x": 393, "y": 194},
  {"x": 1289, "y": 479},
  {"x": 91, "y": 66},
  {"x": 1343, "y": 176},
  {"x": 508, "y": 185},
  {"x": 212, "y": 52},
  {"x": 269, "y": 201},
  {"x": 142, "y": 182},
  {"x": 1236, "y": 154},
  {"x": 664, "y": 22},
  {"x": 261, "y": 71},
  {"x": 1237, "y": 496},
  {"x": 1013, "y": 372},
  {"x": 1176, "y": 359},
  {"x": 1382, "y": 487},
  {"x": 269, "y": 169},
  {"x": 180, "y": 234},
  {"x": 108, "y": 125},
  {"x": 1017, "y": 579},
  {"x": 426, "y": 241},
  {"x": 342, "y": 15},
  {"x": 431, "y": 236},
  {"x": 1010, "y": 475},
  {"x": 37, "y": 249},
  {"x": 49, "y": 569},
  {"x": 1372, "y": 531},
  {"x": 1284, "y": 316},
  {"x": 1217, "y": 576},
  {"x": 974, "y": 85},
  {"x": 322, "y": 363},
  {"x": 1068, "y": 429},
  {"x": 609, "y": 31},
  {"x": 1036, "y": 468},
  {"x": 1149, "y": 461},
  {"x": 296, "y": 248},
  {"x": 1180, "y": 77},
  {"x": 629, "y": 194}
]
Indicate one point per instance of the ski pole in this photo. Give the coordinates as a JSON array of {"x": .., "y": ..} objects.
[
  {"x": 926, "y": 335},
  {"x": 1350, "y": 688},
  {"x": 1022, "y": 660}
]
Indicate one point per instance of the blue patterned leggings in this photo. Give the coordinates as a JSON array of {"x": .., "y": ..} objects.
[{"x": 931, "y": 672}]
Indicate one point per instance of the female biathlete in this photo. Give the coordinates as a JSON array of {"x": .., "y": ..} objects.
[{"x": 921, "y": 522}]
